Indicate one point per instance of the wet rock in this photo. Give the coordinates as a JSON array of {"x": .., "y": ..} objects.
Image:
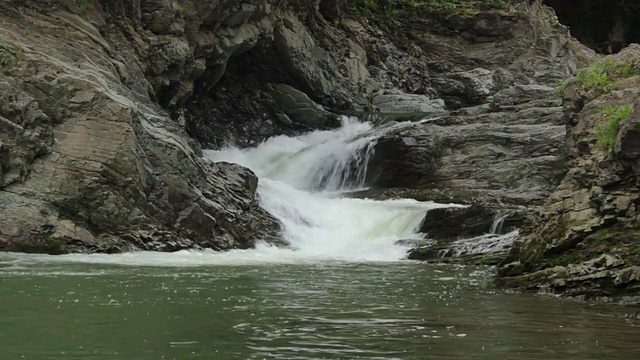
[
  {"x": 400, "y": 162},
  {"x": 579, "y": 241},
  {"x": 90, "y": 161},
  {"x": 413, "y": 242},
  {"x": 300, "y": 109},
  {"x": 408, "y": 103},
  {"x": 488, "y": 249},
  {"x": 474, "y": 231},
  {"x": 457, "y": 223}
]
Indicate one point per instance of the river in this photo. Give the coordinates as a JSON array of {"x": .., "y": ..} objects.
[
  {"x": 340, "y": 291},
  {"x": 189, "y": 306}
]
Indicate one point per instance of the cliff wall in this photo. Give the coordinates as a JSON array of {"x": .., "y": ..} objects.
[{"x": 105, "y": 105}]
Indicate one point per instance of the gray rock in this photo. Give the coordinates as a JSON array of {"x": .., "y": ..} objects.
[
  {"x": 300, "y": 109},
  {"x": 458, "y": 223},
  {"x": 110, "y": 76},
  {"x": 582, "y": 241},
  {"x": 628, "y": 141},
  {"x": 240, "y": 16},
  {"x": 522, "y": 97},
  {"x": 89, "y": 160},
  {"x": 408, "y": 103},
  {"x": 309, "y": 63},
  {"x": 501, "y": 160},
  {"x": 478, "y": 83}
]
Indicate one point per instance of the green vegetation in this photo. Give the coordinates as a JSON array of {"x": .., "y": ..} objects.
[
  {"x": 601, "y": 77},
  {"x": 83, "y": 4},
  {"x": 561, "y": 86},
  {"x": 9, "y": 57},
  {"x": 607, "y": 130}
]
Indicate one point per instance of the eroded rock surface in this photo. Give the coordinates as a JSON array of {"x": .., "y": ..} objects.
[
  {"x": 583, "y": 241},
  {"x": 502, "y": 148},
  {"x": 90, "y": 161},
  {"x": 105, "y": 106}
]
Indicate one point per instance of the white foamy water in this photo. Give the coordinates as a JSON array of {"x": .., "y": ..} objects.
[{"x": 303, "y": 182}]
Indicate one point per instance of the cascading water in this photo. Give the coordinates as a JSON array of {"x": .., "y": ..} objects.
[
  {"x": 302, "y": 183},
  {"x": 498, "y": 222},
  {"x": 494, "y": 241}
]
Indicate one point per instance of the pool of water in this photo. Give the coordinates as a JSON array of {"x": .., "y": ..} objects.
[{"x": 57, "y": 308}]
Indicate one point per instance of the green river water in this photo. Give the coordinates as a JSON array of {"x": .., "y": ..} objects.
[{"x": 58, "y": 309}]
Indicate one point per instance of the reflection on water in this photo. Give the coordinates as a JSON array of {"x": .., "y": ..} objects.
[{"x": 58, "y": 310}]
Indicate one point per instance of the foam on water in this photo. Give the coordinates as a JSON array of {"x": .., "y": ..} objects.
[{"x": 303, "y": 181}]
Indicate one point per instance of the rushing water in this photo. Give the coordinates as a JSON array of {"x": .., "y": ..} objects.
[
  {"x": 339, "y": 291},
  {"x": 303, "y": 181}
]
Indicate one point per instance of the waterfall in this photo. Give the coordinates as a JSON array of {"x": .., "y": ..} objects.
[
  {"x": 494, "y": 241},
  {"x": 496, "y": 227},
  {"x": 303, "y": 182}
]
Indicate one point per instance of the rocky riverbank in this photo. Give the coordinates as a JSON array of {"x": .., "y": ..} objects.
[
  {"x": 584, "y": 241},
  {"x": 501, "y": 147},
  {"x": 91, "y": 160},
  {"x": 99, "y": 99},
  {"x": 105, "y": 106}
]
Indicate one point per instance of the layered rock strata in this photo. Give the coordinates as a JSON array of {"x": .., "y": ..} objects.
[
  {"x": 502, "y": 146},
  {"x": 584, "y": 241},
  {"x": 102, "y": 101},
  {"x": 90, "y": 160}
]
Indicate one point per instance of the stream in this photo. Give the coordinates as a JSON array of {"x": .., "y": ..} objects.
[{"x": 341, "y": 290}]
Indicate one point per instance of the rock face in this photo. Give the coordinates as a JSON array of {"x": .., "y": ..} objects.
[
  {"x": 335, "y": 68},
  {"x": 583, "y": 242},
  {"x": 409, "y": 103},
  {"x": 502, "y": 147},
  {"x": 467, "y": 234},
  {"x": 90, "y": 161},
  {"x": 105, "y": 104}
]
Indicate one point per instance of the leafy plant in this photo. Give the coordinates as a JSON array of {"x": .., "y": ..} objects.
[
  {"x": 596, "y": 77},
  {"x": 607, "y": 130},
  {"x": 83, "y": 4},
  {"x": 561, "y": 87},
  {"x": 602, "y": 76},
  {"x": 9, "y": 57}
]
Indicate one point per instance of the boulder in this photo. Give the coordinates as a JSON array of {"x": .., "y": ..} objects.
[
  {"x": 409, "y": 103},
  {"x": 297, "y": 106},
  {"x": 457, "y": 223},
  {"x": 90, "y": 161},
  {"x": 475, "y": 233}
]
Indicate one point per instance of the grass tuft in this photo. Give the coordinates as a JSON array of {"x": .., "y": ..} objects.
[{"x": 607, "y": 130}]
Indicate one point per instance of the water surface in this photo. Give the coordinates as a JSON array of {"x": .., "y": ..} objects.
[
  {"x": 338, "y": 292},
  {"x": 84, "y": 307}
]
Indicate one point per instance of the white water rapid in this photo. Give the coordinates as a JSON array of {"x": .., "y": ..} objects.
[{"x": 303, "y": 181}]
